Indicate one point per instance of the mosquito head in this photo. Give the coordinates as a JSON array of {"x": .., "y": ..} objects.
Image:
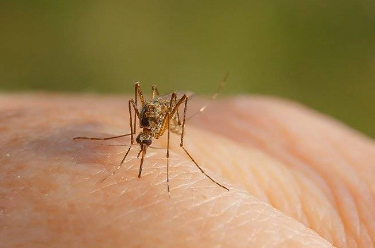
[{"x": 144, "y": 139}]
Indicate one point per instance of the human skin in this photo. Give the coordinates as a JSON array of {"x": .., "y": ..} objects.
[{"x": 296, "y": 178}]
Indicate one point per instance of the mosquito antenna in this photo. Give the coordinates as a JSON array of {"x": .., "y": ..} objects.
[
  {"x": 214, "y": 96},
  {"x": 119, "y": 166}
]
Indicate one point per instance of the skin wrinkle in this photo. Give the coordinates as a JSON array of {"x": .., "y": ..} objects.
[
  {"x": 245, "y": 173},
  {"x": 346, "y": 205},
  {"x": 102, "y": 188},
  {"x": 118, "y": 218},
  {"x": 89, "y": 177},
  {"x": 325, "y": 222},
  {"x": 256, "y": 180},
  {"x": 241, "y": 223},
  {"x": 287, "y": 194},
  {"x": 224, "y": 224},
  {"x": 313, "y": 175},
  {"x": 369, "y": 225},
  {"x": 34, "y": 189},
  {"x": 205, "y": 225},
  {"x": 348, "y": 157},
  {"x": 235, "y": 208}
]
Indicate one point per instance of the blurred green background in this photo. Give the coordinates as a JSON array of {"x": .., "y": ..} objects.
[{"x": 320, "y": 53}]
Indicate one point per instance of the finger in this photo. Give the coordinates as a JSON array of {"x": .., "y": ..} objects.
[
  {"x": 51, "y": 195},
  {"x": 339, "y": 161}
]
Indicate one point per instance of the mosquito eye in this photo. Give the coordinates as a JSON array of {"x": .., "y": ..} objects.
[{"x": 147, "y": 142}]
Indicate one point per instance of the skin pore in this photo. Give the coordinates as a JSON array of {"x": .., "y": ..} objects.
[{"x": 296, "y": 178}]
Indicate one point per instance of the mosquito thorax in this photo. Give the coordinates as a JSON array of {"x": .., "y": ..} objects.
[{"x": 152, "y": 116}]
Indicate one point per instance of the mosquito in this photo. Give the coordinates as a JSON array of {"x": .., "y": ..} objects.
[{"x": 157, "y": 116}]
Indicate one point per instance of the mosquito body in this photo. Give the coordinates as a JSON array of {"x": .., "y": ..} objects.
[
  {"x": 156, "y": 116},
  {"x": 151, "y": 120}
]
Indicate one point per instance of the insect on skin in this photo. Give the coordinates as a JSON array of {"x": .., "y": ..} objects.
[{"x": 156, "y": 116}]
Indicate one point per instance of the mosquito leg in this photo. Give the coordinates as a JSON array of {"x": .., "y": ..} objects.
[
  {"x": 137, "y": 93},
  {"x": 178, "y": 114},
  {"x": 118, "y": 167},
  {"x": 172, "y": 110},
  {"x": 152, "y": 147},
  {"x": 130, "y": 122},
  {"x": 117, "y": 145},
  {"x": 134, "y": 107},
  {"x": 214, "y": 96},
  {"x": 168, "y": 116},
  {"x": 183, "y": 123},
  {"x": 107, "y": 138},
  {"x": 175, "y": 108},
  {"x": 155, "y": 92},
  {"x": 169, "y": 193},
  {"x": 172, "y": 104},
  {"x": 166, "y": 120},
  {"x": 182, "y": 144},
  {"x": 131, "y": 104},
  {"x": 200, "y": 168},
  {"x": 173, "y": 100},
  {"x": 136, "y": 86}
]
